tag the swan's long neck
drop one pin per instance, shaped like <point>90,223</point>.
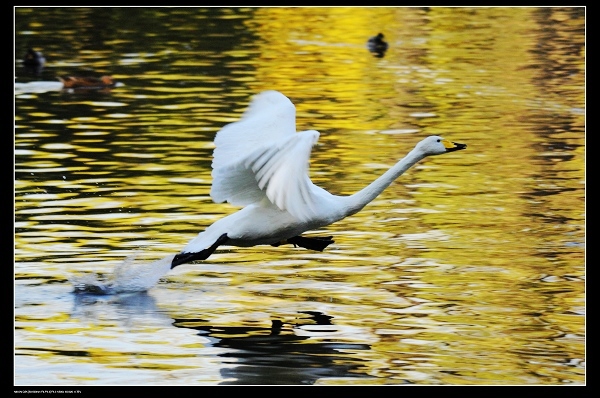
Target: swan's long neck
<point>356,202</point>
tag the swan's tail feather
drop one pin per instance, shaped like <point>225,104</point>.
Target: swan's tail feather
<point>318,243</point>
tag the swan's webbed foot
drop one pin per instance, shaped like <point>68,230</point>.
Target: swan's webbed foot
<point>183,258</point>
<point>318,243</point>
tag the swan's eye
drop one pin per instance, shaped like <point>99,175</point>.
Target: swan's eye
<point>438,140</point>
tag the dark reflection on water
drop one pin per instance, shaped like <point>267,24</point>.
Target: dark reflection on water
<point>137,38</point>
<point>277,355</point>
<point>262,356</point>
<point>558,53</point>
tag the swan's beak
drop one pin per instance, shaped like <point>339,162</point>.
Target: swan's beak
<point>453,146</point>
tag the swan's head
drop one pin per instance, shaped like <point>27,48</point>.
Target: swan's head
<point>435,145</point>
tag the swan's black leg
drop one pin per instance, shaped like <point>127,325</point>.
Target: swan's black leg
<point>318,243</point>
<point>183,258</point>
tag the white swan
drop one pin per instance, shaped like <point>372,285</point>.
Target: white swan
<point>261,162</point>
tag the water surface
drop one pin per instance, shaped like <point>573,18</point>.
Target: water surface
<point>470,269</point>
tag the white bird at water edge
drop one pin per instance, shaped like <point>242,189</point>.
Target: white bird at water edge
<point>261,163</point>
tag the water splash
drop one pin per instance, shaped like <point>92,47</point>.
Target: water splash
<point>129,276</point>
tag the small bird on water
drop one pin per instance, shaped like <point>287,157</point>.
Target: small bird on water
<point>33,58</point>
<point>377,45</point>
<point>86,82</point>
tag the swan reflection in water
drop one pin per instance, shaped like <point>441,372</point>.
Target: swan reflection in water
<point>294,352</point>
<point>284,353</point>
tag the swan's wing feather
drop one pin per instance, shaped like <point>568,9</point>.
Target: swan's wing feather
<point>283,174</point>
<point>262,157</point>
<point>235,184</point>
<point>269,117</point>
<point>278,172</point>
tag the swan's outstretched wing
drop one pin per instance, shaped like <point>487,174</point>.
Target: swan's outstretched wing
<point>262,156</point>
<point>270,116</point>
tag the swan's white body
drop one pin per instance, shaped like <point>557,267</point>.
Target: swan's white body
<point>261,163</point>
